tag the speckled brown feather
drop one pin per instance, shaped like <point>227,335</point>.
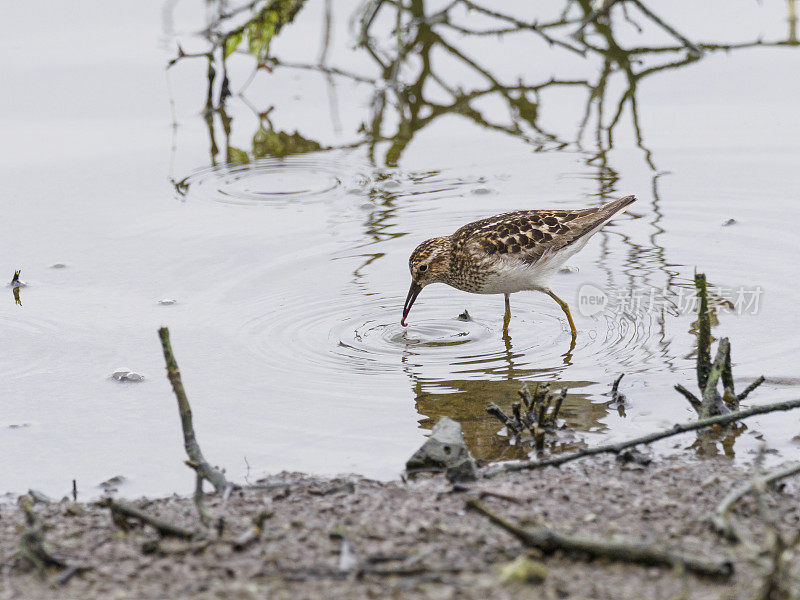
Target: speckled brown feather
<point>530,234</point>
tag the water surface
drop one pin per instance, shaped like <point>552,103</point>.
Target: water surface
<point>289,270</point>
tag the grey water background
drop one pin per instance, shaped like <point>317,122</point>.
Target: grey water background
<point>289,273</point>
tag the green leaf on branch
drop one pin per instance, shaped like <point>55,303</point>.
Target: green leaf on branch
<point>267,23</point>
<point>232,42</point>
<point>237,156</point>
<point>527,110</point>
<point>268,142</point>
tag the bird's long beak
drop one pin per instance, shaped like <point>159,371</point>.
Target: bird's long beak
<point>413,292</point>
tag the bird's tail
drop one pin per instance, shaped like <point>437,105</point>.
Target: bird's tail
<point>595,217</point>
<point>613,207</point>
<point>592,219</point>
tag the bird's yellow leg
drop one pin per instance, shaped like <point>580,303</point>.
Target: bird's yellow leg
<point>507,315</point>
<point>565,308</point>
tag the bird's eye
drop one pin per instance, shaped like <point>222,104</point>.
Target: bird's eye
<point>423,268</point>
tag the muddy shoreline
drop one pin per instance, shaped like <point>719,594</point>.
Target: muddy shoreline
<point>411,539</point>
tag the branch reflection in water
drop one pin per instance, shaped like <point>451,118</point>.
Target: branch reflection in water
<point>426,62</point>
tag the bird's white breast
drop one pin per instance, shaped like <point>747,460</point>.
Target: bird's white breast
<point>509,275</point>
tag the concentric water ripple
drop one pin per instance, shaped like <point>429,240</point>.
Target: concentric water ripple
<point>361,334</point>
<point>310,178</point>
<point>274,181</point>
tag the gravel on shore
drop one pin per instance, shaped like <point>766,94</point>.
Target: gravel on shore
<point>350,537</point>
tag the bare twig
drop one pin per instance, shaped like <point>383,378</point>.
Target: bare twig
<point>728,389</point>
<point>525,394</point>
<point>693,400</point>
<point>164,528</point>
<point>196,459</point>
<point>485,493</point>
<point>498,413</point>
<point>703,332</point>
<point>535,27</point>
<point>324,69</point>
<point>539,416</point>
<point>666,27</point>
<point>557,406</point>
<point>253,533</point>
<point>616,396</point>
<point>32,545</point>
<point>202,510</point>
<point>719,519</point>
<point>750,388</point>
<point>614,448</point>
<point>549,541</point>
<point>712,401</point>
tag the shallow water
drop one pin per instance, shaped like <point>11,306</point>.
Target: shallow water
<point>289,273</point>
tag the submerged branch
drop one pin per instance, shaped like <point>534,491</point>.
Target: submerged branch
<point>703,332</point>
<point>497,412</point>
<point>750,388</point>
<point>616,447</point>
<point>693,400</point>
<point>712,402</point>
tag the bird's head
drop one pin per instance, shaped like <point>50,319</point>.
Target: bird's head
<point>429,263</point>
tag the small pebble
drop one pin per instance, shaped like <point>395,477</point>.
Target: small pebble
<point>58,266</point>
<point>167,301</point>
<point>729,222</point>
<point>481,191</point>
<point>127,375</point>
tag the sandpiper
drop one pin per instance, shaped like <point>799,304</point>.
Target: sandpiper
<point>508,253</point>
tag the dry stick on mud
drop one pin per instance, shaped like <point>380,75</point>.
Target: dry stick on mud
<point>719,519</point>
<point>196,459</point>
<point>253,533</point>
<point>615,448</point>
<point>549,541</point>
<point>162,527</point>
<point>32,545</point>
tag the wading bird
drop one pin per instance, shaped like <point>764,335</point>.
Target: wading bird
<point>508,253</point>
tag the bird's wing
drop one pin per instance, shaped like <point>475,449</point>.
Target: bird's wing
<point>528,235</point>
